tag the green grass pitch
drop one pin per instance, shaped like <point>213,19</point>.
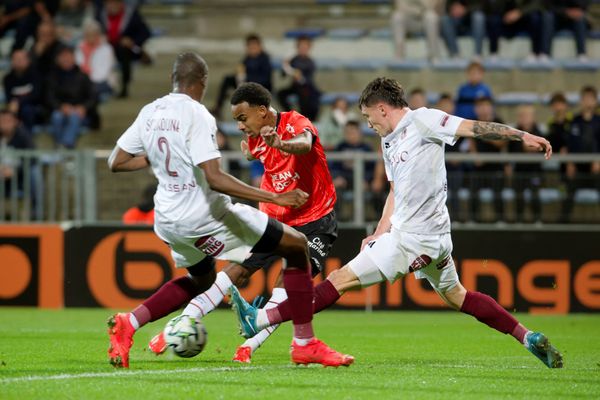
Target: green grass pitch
<point>412,355</point>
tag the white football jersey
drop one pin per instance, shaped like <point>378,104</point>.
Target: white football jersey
<point>178,133</point>
<point>414,161</point>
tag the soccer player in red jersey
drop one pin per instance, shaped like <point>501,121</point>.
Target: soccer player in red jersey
<point>288,146</point>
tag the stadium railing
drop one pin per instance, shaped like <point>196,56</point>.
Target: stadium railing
<point>50,186</point>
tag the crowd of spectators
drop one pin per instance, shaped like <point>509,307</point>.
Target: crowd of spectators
<point>538,19</point>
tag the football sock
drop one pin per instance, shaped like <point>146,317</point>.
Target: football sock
<point>255,342</point>
<point>325,295</point>
<point>209,300</point>
<point>300,291</point>
<point>488,311</point>
<point>133,321</point>
<point>167,299</point>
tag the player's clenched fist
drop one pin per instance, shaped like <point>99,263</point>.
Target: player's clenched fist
<point>270,136</point>
<point>294,198</point>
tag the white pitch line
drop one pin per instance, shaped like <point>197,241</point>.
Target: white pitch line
<point>124,374</point>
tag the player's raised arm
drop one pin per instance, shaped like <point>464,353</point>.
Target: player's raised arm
<point>496,131</point>
<point>221,181</point>
<point>299,144</point>
<point>121,161</point>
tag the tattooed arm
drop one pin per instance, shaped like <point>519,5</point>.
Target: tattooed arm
<point>495,131</point>
<point>299,144</point>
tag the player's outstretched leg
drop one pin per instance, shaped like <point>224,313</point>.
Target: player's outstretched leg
<point>243,353</point>
<point>120,333</point>
<point>485,309</point>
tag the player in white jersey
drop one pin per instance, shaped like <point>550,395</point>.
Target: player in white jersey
<point>413,234</point>
<point>176,136</point>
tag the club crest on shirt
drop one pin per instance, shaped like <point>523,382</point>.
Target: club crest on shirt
<point>290,129</point>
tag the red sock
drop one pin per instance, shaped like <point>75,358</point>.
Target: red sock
<point>300,291</point>
<point>488,311</point>
<point>171,296</point>
<point>325,295</point>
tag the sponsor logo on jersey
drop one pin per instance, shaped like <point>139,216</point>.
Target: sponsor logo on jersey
<point>282,180</point>
<point>420,262</point>
<point>399,157</point>
<point>209,245</point>
<point>444,120</point>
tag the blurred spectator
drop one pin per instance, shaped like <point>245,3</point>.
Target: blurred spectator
<point>525,176</point>
<point>343,171</point>
<point>17,16</point>
<point>22,88</point>
<point>583,137</point>
<point>567,14</point>
<point>472,90</point>
<point>331,125</point>
<point>71,17</point>
<point>96,59</point>
<point>509,17</point>
<point>487,175</point>
<point>127,32</point>
<point>445,103</point>
<point>143,212</point>
<point>15,136</point>
<point>45,48</point>
<point>417,16</point>
<point>70,97</point>
<point>559,124</point>
<point>302,69</point>
<point>255,67</point>
<point>462,17</point>
<point>417,98</point>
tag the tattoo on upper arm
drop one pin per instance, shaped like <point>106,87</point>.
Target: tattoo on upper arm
<point>496,131</point>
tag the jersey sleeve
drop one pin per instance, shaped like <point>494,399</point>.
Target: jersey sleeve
<point>202,139</point>
<point>437,126</point>
<point>302,124</point>
<point>131,140</point>
<point>386,163</point>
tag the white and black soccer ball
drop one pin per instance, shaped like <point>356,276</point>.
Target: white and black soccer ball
<point>185,336</point>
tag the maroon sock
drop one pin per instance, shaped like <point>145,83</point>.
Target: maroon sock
<point>325,295</point>
<point>300,291</point>
<point>488,311</point>
<point>171,296</point>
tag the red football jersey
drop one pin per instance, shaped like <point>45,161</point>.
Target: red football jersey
<point>284,172</point>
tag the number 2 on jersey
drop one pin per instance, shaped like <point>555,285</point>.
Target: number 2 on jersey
<point>163,142</point>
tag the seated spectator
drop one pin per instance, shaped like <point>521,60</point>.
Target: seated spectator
<point>525,176</point>
<point>462,17</point>
<point>487,174</point>
<point>96,59</point>
<point>70,19</point>
<point>445,103</point>
<point>127,32</point>
<point>23,90</point>
<point>472,90</point>
<point>583,137</point>
<point>331,125</point>
<point>70,98</point>
<point>255,67</point>
<point>301,68</point>
<point>234,167</point>
<point>508,18</point>
<point>143,212</point>
<point>417,16</point>
<point>569,14</point>
<point>13,135</point>
<point>559,124</point>
<point>417,98</point>
<point>45,48</point>
<point>343,171</point>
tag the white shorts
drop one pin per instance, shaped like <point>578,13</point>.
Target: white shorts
<point>395,254</point>
<point>240,229</point>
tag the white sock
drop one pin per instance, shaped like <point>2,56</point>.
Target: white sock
<point>525,341</point>
<point>255,342</point>
<point>209,300</point>
<point>302,342</point>
<point>134,322</point>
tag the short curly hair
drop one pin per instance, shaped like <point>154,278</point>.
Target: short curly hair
<point>384,90</point>
<point>252,93</point>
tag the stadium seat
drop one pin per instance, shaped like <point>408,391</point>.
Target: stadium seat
<point>517,98</point>
<point>509,197</point>
<point>464,204</point>
<point>375,1</point>
<point>534,65</point>
<point>346,33</point>
<point>381,33</point>
<point>499,64</point>
<point>578,65</point>
<point>486,212</point>
<point>452,64</point>
<point>329,2</point>
<point>328,64</point>
<point>304,32</point>
<point>550,202</point>
<point>406,65</point>
<point>364,65</point>
<point>586,207</point>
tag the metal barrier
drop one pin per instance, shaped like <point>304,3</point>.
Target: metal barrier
<point>77,186</point>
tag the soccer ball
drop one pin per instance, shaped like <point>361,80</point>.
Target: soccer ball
<point>185,336</point>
